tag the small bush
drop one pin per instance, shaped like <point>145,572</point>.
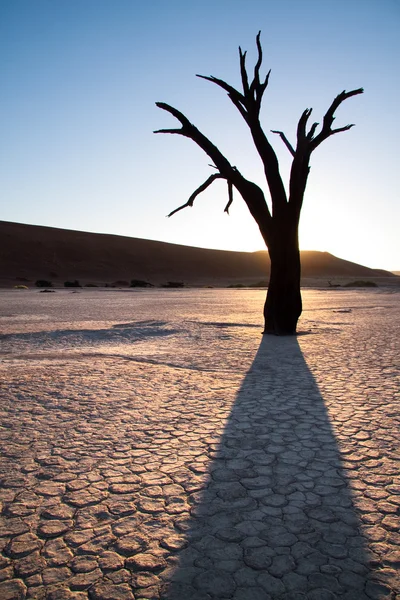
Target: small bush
<point>47,291</point>
<point>140,283</point>
<point>72,284</point>
<point>91,285</point>
<point>43,283</point>
<point>360,283</point>
<point>236,285</point>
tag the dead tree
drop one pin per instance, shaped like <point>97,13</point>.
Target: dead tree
<point>278,225</point>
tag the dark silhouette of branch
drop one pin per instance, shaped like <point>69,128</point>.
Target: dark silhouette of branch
<point>198,191</point>
<point>243,72</point>
<point>251,193</point>
<point>256,88</point>
<point>306,144</point>
<point>285,141</point>
<point>310,134</point>
<point>230,197</point>
<point>236,97</point>
<point>186,125</point>
<point>190,131</point>
<point>301,129</point>
<point>329,117</point>
<point>248,104</point>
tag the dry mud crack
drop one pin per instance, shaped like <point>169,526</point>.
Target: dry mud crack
<point>212,464</point>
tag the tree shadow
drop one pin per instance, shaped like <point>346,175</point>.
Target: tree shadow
<point>120,333</point>
<point>276,518</point>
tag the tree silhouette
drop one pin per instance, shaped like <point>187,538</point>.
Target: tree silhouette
<point>278,226</point>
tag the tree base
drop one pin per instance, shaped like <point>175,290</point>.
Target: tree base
<point>278,333</point>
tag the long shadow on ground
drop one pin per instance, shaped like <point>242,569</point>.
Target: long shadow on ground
<point>276,519</point>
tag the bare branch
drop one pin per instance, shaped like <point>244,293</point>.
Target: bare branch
<point>330,116</point>
<point>252,95</point>
<point>310,134</point>
<point>261,90</point>
<point>190,131</point>
<point>236,97</point>
<point>285,141</point>
<point>186,124</point>
<point>250,192</point>
<point>301,127</point>
<point>198,191</point>
<point>225,86</point>
<point>257,88</point>
<point>256,81</point>
<point>240,108</point>
<point>179,131</point>
<point>230,197</point>
<point>248,104</point>
<point>339,129</point>
<point>243,72</point>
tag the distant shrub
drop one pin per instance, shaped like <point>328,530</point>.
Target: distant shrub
<point>72,284</point>
<point>173,284</point>
<point>121,283</point>
<point>360,283</point>
<point>140,283</point>
<point>21,287</point>
<point>47,291</point>
<point>91,285</point>
<point>43,283</point>
<point>236,285</point>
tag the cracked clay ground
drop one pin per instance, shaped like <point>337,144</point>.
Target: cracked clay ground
<point>154,445</point>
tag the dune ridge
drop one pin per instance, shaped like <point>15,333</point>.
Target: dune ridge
<point>31,252</point>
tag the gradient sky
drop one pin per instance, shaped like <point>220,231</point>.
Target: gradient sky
<point>79,79</point>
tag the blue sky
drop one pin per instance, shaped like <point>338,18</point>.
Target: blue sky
<point>79,82</point>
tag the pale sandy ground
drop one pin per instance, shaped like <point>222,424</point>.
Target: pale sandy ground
<point>155,445</point>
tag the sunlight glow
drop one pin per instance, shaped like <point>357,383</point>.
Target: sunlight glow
<point>80,82</point>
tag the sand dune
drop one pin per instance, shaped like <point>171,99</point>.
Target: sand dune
<point>30,252</point>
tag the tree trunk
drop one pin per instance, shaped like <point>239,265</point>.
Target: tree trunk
<point>283,304</point>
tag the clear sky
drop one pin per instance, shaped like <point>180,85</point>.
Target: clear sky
<point>79,79</point>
